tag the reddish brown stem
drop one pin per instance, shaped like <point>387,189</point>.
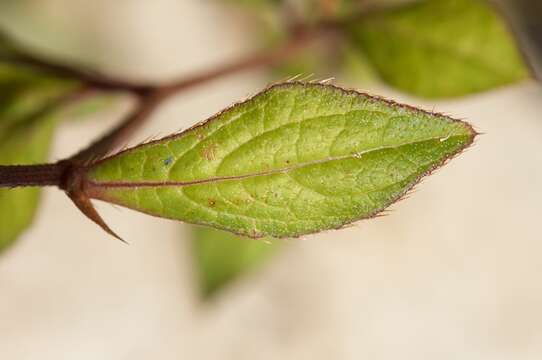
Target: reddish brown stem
<point>42,174</point>
<point>88,77</point>
<point>300,39</point>
<point>300,36</point>
<point>102,146</point>
<point>30,175</point>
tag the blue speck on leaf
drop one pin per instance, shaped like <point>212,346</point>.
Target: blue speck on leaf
<point>168,160</point>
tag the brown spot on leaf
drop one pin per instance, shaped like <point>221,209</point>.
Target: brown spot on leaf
<point>241,201</point>
<point>211,202</point>
<point>208,151</point>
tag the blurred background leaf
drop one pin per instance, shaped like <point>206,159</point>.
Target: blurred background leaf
<point>429,48</point>
<point>221,257</point>
<point>441,48</point>
<point>28,115</point>
<point>6,47</point>
<point>24,143</point>
<point>26,127</point>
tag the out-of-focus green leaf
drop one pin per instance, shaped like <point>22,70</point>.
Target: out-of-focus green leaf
<point>221,257</point>
<point>23,143</point>
<point>317,61</point>
<point>88,106</point>
<point>28,114</point>
<point>6,46</point>
<point>26,126</point>
<point>327,60</point>
<point>356,68</point>
<point>295,159</point>
<point>441,48</point>
<point>23,92</point>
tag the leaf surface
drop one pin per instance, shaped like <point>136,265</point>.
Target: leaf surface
<point>295,159</point>
<point>441,48</point>
<point>221,257</point>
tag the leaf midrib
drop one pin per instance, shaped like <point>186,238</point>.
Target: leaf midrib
<point>131,184</point>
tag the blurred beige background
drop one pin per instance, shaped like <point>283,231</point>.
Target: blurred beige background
<point>452,273</point>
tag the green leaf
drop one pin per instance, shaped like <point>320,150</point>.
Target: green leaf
<point>441,48</point>
<point>26,126</point>
<point>221,257</point>
<point>356,68</point>
<point>22,144</point>
<point>295,159</point>
<point>89,106</point>
<point>6,46</point>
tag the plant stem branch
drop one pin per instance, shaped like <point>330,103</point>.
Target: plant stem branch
<point>101,147</point>
<point>30,175</point>
<point>88,77</point>
<point>299,37</point>
<point>298,41</point>
<point>149,101</point>
<point>41,174</point>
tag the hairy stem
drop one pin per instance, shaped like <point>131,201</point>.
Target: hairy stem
<point>31,175</point>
